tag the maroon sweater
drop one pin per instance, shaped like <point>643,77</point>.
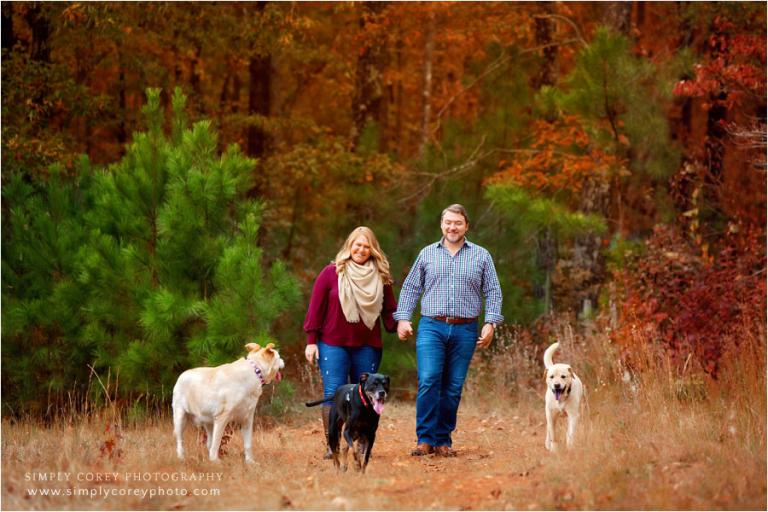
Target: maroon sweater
<point>326,322</point>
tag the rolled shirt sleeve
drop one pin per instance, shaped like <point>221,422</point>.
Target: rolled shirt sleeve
<point>411,290</point>
<point>492,293</point>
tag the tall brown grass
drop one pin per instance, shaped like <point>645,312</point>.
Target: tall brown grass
<point>653,436</point>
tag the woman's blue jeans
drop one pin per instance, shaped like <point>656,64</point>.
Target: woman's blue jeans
<point>343,365</point>
<point>443,354</point>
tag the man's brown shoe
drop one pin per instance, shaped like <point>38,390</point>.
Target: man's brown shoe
<point>445,451</point>
<point>422,449</point>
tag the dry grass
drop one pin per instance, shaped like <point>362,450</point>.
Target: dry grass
<point>654,440</point>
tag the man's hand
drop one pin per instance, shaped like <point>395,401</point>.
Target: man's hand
<point>311,353</point>
<point>486,336</point>
<point>404,329</point>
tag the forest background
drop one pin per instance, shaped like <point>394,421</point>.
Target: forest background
<point>174,176</point>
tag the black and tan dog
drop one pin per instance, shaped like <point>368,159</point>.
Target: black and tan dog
<point>355,412</point>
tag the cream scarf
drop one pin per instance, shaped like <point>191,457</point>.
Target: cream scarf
<point>361,292</point>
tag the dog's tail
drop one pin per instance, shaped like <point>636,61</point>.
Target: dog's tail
<point>548,355</point>
<point>318,402</point>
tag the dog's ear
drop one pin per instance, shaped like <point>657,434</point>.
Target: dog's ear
<point>268,352</point>
<point>363,377</point>
<point>252,347</point>
<point>386,383</point>
<point>570,372</point>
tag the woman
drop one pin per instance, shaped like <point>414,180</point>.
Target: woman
<point>342,323</point>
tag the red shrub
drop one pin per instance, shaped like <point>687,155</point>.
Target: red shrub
<point>686,304</point>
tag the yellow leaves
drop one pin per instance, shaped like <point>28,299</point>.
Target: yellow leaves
<point>72,13</point>
<point>691,213</point>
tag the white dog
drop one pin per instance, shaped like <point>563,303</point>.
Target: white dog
<point>213,397</point>
<point>564,395</point>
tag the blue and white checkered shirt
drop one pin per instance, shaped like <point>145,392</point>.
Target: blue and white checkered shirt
<point>453,286</point>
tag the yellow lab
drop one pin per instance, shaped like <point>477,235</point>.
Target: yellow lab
<point>213,397</point>
<point>564,395</point>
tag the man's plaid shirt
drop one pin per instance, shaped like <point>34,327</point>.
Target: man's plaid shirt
<point>453,286</point>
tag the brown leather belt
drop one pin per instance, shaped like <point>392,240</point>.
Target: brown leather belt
<point>454,319</point>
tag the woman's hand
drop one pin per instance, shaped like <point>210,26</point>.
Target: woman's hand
<point>311,353</point>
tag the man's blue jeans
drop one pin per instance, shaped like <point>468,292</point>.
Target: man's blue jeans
<point>443,354</point>
<point>343,365</point>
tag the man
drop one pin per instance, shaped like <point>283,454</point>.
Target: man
<point>454,275</point>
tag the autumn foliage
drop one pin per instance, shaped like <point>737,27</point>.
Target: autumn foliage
<point>612,156</point>
<point>687,304</point>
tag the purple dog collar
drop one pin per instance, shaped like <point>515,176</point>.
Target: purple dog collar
<point>258,371</point>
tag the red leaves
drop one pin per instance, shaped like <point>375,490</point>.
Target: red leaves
<point>109,447</point>
<point>687,302</point>
<point>736,66</point>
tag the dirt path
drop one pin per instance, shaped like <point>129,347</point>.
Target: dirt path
<point>497,467</point>
<point>671,458</point>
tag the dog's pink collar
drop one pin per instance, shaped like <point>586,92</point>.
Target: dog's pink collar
<point>258,371</point>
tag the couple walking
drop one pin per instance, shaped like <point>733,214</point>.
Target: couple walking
<point>454,279</point>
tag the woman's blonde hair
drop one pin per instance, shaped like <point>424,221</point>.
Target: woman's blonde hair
<point>377,255</point>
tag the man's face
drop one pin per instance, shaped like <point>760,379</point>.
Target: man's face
<point>454,227</point>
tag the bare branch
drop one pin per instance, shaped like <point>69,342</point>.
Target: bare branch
<point>560,17</point>
<point>473,159</point>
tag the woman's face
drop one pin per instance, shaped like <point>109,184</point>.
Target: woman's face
<point>361,250</point>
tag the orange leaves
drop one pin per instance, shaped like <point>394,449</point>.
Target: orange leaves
<point>560,159</point>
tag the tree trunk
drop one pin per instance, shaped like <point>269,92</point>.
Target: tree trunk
<point>259,89</point>
<point>544,29</point>
<point>399,100</point>
<point>40,26</point>
<point>426,92</point>
<point>194,79</point>
<point>714,141</point>
<point>122,131</point>
<point>259,69</point>
<point>618,16</point>
<point>546,243</point>
<point>369,101</point>
<point>8,36</point>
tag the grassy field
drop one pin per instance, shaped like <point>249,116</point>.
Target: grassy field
<point>652,440</point>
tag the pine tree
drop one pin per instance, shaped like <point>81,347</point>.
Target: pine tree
<point>44,354</point>
<point>141,270</point>
<point>183,233</point>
